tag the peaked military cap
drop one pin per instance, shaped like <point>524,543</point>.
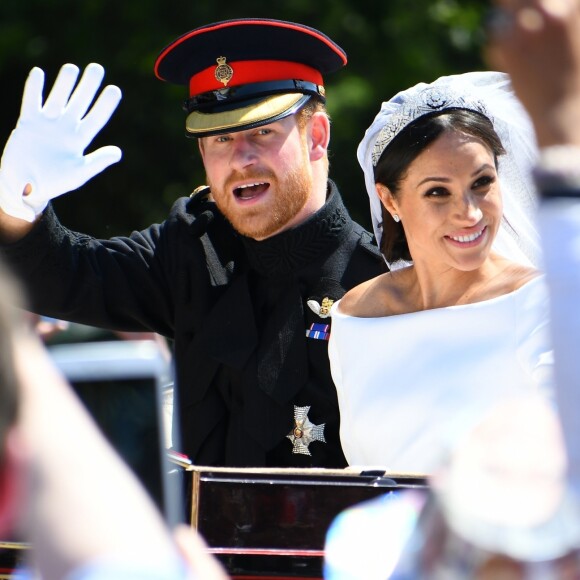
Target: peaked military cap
<point>248,72</point>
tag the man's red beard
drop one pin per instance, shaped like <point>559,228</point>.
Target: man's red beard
<point>286,199</point>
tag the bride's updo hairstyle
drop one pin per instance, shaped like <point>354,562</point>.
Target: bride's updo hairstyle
<point>408,144</point>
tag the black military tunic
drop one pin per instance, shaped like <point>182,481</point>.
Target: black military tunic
<point>236,311</point>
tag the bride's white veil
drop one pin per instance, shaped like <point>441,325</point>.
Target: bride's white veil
<point>489,93</point>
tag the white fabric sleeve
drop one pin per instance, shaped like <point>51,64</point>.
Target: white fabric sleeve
<point>534,346</point>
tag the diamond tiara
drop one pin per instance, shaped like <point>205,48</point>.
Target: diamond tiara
<point>426,101</point>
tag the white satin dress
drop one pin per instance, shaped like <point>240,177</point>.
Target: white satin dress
<point>410,385</point>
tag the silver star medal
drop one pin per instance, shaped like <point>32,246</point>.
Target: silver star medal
<point>304,432</point>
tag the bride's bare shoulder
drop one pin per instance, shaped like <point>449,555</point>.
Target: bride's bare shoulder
<point>518,276</point>
<point>373,298</point>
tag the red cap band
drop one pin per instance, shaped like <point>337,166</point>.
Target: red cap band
<point>253,71</point>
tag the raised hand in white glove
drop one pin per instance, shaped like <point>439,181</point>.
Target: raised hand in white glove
<point>44,156</point>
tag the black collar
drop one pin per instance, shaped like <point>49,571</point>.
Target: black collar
<point>296,248</point>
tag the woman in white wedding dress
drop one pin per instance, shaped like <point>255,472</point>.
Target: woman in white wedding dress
<point>459,324</point>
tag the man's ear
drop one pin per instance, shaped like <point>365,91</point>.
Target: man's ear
<point>13,483</point>
<point>319,133</point>
<point>387,198</point>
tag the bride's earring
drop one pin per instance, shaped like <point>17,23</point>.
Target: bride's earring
<point>396,217</point>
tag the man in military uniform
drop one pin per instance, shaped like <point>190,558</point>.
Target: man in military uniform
<point>242,274</point>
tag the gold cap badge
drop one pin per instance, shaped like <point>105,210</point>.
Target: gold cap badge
<point>223,71</point>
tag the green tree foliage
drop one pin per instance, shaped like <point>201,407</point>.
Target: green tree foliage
<point>391,45</point>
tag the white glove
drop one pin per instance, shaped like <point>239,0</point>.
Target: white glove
<point>46,149</point>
